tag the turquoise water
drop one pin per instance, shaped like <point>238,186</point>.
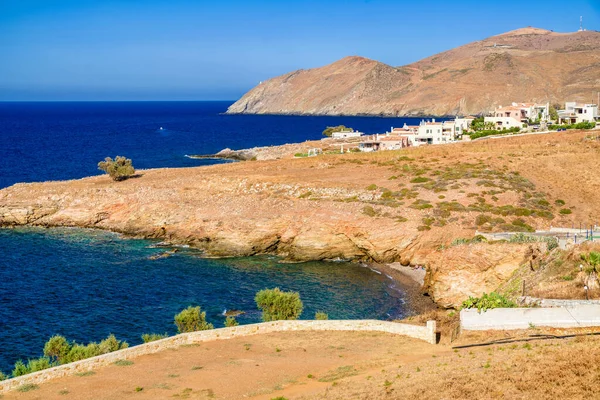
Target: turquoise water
<point>86,284</point>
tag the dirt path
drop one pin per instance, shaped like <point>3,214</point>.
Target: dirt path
<point>259,367</point>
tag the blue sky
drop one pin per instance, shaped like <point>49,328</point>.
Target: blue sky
<point>217,50</point>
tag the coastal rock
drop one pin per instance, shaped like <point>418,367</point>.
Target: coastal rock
<point>458,272</point>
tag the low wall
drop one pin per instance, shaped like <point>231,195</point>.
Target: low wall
<point>522,318</point>
<point>426,333</point>
<point>534,301</point>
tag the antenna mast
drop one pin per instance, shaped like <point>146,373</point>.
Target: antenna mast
<point>581,24</point>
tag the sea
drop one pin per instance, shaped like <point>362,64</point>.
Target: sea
<point>87,284</point>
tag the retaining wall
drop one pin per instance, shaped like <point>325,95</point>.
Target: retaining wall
<point>576,316</point>
<point>426,333</point>
<point>534,301</point>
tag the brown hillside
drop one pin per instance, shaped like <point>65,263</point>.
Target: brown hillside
<point>523,65</point>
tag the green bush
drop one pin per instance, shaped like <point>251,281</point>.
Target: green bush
<point>230,321</point>
<point>593,260</point>
<point>551,241</point>
<point>3,376</point>
<point>560,202</point>
<point>20,369</point>
<point>581,125</point>
<point>39,364</point>
<point>565,211</point>
<point>151,337</point>
<point>340,128</point>
<point>278,305</point>
<point>118,169</point>
<point>487,302</point>
<point>57,348</point>
<point>493,132</point>
<point>321,316</point>
<point>419,179</point>
<point>191,320</point>
<point>111,344</point>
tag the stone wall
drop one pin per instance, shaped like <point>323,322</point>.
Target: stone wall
<point>522,318</point>
<point>426,333</point>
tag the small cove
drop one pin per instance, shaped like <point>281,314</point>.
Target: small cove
<point>86,284</point>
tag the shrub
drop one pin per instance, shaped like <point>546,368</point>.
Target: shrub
<point>369,211</point>
<point>118,169</point>
<point>3,376</point>
<point>39,364</point>
<point>593,260</point>
<point>278,305</point>
<point>419,179</point>
<point>372,187</point>
<point>488,301</point>
<point>192,319</point>
<point>230,321</point>
<point>319,315</point>
<point>57,348</point>
<point>565,211</point>
<point>581,125</point>
<point>20,369</point>
<point>560,202</point>
<point>151,337</point>
<point>111,344</point>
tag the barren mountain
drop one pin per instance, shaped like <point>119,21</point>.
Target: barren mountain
<point>525,65</point>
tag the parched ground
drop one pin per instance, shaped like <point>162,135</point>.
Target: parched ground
<point>347,365</point>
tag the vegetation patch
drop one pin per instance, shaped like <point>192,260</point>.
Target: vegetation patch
<point>339,373</point>
<point>487,302</point>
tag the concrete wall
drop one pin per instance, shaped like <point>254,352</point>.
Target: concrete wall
<point>426,333</point>
<point>522,318</point>
<point>537,302</point>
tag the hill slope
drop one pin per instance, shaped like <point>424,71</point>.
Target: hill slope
<point>524,65</point>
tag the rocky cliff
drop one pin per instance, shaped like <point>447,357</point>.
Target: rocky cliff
<point>532,65</point>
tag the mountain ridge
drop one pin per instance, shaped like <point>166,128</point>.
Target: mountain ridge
<point>523,65</point>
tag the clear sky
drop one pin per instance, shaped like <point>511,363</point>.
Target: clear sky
<point>217,50</point>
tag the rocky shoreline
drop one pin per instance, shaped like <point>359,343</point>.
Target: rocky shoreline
<point>358,207</point>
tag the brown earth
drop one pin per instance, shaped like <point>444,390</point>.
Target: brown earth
<point>526,65</point>
<point>346,365</point>
<point>401,206</point>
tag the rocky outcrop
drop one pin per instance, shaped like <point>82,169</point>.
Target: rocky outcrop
<point>524,65</point>
<point>458,272</point>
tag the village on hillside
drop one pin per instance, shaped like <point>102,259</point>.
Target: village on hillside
<point>512,119</point>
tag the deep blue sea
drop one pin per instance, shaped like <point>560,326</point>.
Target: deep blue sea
<point>87,284</point>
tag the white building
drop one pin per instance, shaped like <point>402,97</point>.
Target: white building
<point>464,123</point>
<point>346,134</point>
<point>432,132</point>
<point>384,142</point>
<point>575,113</point>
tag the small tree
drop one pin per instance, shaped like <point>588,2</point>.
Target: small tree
<point>553,113</point>
<point>57,348</point>
<point>230,321</point>
<point>192,319</point>
<point>278,305</point>
<point>118,169</point>
<point>340,128</point>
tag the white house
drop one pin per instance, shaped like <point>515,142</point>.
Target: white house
<point>384,142</point>
<point>464,123</point>
<point>432,132</point>
<point>575,113</point>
